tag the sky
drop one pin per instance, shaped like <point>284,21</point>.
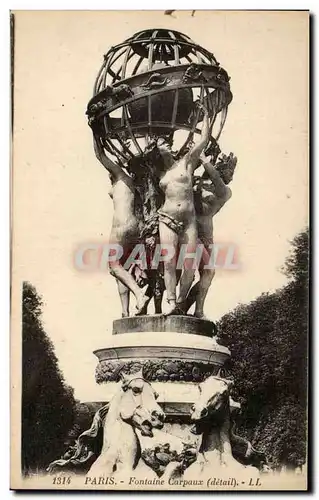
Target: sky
<point>60,191</point>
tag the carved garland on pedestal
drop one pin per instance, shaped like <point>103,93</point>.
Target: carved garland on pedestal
<point>157,370</point>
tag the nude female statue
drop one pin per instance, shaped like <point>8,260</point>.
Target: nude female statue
<point>126,226</point>
<point>177,220</point>
<point>210,195</point>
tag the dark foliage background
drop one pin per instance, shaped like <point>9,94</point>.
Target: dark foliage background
<point>48,405</point>
<point>268,339</point>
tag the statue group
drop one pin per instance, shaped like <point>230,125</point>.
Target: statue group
<point>159,106</point>
<point>157,102</point>
<point>181,220</point>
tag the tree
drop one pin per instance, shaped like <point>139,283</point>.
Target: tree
<point>47,402</point>
<point>268,339</point>
<point>82,421</point>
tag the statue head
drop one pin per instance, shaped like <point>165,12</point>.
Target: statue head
<point>138,404</point>
<point>159,149</point>
<point>203,182</point>
<point>164,146</point>
<point>212,403</point>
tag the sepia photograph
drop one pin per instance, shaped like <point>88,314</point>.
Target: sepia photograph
<point>160,250</point>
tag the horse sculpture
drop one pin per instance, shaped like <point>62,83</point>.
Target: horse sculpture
<point>111,444</point>
<point>133,407</point>
<point>211,416</point>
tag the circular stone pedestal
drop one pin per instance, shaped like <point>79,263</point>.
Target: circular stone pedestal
<point>175,353</point>
<point>161,323</point>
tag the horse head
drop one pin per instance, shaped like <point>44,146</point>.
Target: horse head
<point>212,404</point>
<point>138,404</point>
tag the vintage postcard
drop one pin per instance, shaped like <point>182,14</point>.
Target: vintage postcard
<point>159,329</point>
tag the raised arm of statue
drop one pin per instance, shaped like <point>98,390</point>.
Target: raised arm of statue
<point>113,168</point>
<point>221,190</point>
<point>195,152</point>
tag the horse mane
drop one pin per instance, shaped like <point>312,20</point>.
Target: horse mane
<point>92,434</point>
<point>113,411</point>
<point>88,446</point>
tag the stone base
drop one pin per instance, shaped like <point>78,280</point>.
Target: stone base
<point>161,323</point>
<point>165,356</point>
<point>175,353</point>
